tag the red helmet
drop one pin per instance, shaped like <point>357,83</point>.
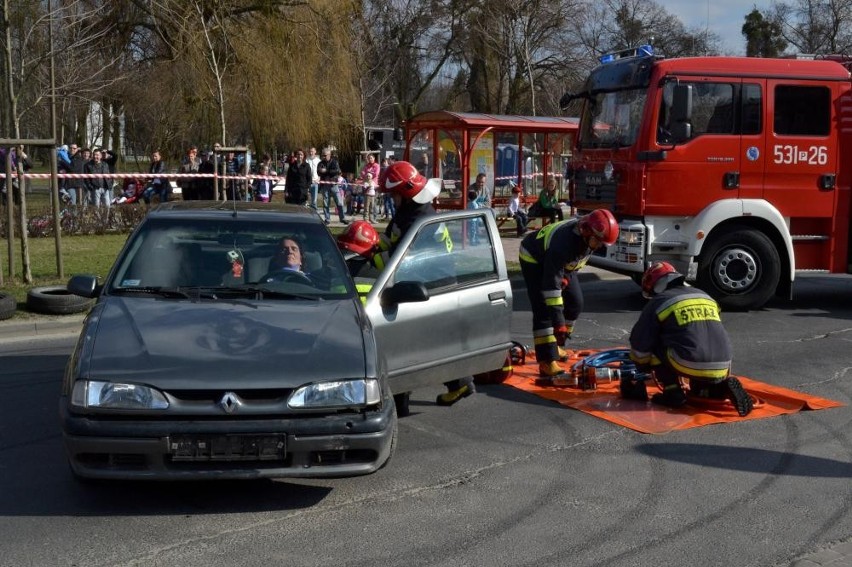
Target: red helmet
<point>360,237</point>
<point>403,178</point>
<point>657,278</point>
<point>601,224</point>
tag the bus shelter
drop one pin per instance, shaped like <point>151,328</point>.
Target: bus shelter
<point>458,146</point>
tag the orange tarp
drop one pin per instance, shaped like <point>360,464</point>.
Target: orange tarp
<point>645,417</point>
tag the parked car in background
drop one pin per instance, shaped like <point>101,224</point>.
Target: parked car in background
<point>202,358</point>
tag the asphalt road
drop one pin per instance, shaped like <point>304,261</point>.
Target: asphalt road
<point>501,478</point>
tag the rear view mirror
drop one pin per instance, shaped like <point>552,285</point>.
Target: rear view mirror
<point>681,122</point>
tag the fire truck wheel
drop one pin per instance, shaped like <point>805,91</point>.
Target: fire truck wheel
<point>740,269</point>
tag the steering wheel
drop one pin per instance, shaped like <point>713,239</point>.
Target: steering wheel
<point>294,276</point>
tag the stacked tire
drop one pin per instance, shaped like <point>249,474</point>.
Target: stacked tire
<point>8,305</point>
<point>56,300</point>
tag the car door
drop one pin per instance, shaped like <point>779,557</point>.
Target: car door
<point>458,323</point>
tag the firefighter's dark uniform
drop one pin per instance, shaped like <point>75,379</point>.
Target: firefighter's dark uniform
<point>680,333</point>
<point>548,256</point>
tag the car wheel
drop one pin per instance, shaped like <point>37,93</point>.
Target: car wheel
<point>56,300</point>
<point>394,441</point>
<point>8,306</point>
<point>739,269</point>
<point>402,401</point>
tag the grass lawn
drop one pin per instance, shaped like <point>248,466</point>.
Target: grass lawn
<point>80,255</point>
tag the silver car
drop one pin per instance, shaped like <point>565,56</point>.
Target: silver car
<point>202,358</point>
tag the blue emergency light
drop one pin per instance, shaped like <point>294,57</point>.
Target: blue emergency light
<point>641,51</point>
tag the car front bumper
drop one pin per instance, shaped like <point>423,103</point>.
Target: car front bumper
<point>310,446</point>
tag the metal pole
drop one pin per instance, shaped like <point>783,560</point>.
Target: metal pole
<point>10,219</point>
<point>54,180</point>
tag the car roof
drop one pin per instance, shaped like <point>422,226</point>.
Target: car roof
<point>242,209</point>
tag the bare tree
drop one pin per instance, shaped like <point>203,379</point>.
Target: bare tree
<point>814,26</point>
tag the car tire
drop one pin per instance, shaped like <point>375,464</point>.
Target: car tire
<point>403,405</point>
<point>56,300</point>
<point>8,306</point>
<point>394,441</point>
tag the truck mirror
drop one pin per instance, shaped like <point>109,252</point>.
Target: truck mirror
<point>681,118</point>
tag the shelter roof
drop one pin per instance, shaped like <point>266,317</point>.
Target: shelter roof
<point>446,119</point>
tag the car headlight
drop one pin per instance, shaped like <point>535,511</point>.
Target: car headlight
<point>115,395</point>
<point>340,393</point>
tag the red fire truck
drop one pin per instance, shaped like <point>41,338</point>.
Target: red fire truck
<point>731,168</point>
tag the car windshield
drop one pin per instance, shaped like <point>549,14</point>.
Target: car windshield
<point>235,259</point>
<point>612,119</point>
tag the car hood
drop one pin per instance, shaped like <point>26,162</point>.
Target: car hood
<point>183,344</point>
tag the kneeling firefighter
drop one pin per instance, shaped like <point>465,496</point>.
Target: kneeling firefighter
<point>680,334</point>
<point>549,259</point>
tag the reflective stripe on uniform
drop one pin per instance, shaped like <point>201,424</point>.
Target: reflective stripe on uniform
<point>716,370</point>
<point>443,235</point>
<point>552,298</point>
<point>543,336</point>
<point>525,256</point>
<point>547,231</point>
<point>689,308</point>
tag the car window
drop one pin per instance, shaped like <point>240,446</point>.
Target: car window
<point>450,254</point>
<point>220,255</point>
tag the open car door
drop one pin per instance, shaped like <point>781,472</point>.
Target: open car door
<point>442,308</point>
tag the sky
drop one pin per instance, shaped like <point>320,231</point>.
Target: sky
<point>726,18</point>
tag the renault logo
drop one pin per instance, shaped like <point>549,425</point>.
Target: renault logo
<point>230,402</point>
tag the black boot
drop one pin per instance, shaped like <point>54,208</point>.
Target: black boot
<point>739,397</point>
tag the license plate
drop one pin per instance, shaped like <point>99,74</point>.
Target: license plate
<point>228,447</point>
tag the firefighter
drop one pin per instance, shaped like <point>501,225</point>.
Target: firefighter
<point>412,194</point>
<point>680,334</point>
<point>549,259</point>
<point>360,245</point>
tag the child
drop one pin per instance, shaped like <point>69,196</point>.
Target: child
<point>369,197</point>
<point>515,209</point>
<point>262,186</point>
<point>473,203</point>
<point>356,194</point>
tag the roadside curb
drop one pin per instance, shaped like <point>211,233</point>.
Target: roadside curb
<point>40,327</point>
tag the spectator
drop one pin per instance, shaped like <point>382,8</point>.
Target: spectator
<point>189,165</point>
<point>157,186</point>
<point>206,188</point>
<point>232,166</point>
<point>313,161</point>
<point>329,171</point>
<point>79,159</point>
<point>473,203</point>
<point>99,187</point>
<point>371,166</point>
<point>356,195</point>
<point>369,197</point>
<point>25,165</point>
<point>262,186</point>
<point>423,166</point>
<point>548,203</point>
<point>483,192</point>
<point>515,209</point>
<point>298,180</point>
<point>63,166</point>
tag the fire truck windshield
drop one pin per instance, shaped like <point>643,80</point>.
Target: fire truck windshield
<point>612,119</point>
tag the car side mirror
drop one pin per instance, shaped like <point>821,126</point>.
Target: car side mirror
<point>84,285</point>
<point>404,292</point>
